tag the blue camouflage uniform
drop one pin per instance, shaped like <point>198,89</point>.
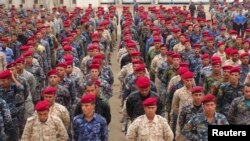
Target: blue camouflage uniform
<point>195,38</point>
<point>197,128</point>
<point>15,46</point>
<point>195,65</point>
<point>94,130</point>
<point>227,93</point>
<point>244,70</point>
<point>5,119</point>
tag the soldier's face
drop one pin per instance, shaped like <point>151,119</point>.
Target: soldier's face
<point>197,97</point>
<point>28,59</point>
<point>234,77</point>
<point>163,50</point>
<point>245,60</point>
<point>95,51</point>
<point>53,80</point>
<point>235,57</point>
<point>209,107</point>
<point>246,45</point>
<point>140,73</point>
<point>216,68</point>
<point>94,73</point>
<point>88,108</point>
<point>226,74</point>
<point>210,43</point>
<point>222,47</point>
<point>90,53</point>
<point>176,62</point>
<point>150,110</point>
<point>188,82</point>
<point>247,92</point>
<point>5,82</point>
<point>197,50</point>
<point>69,69</point>
<point>19,66</point>
<point>61,71</point>
<point>50,98</point>
<point>90,89</point>
<point>144,91</point>
<point>43,115</point>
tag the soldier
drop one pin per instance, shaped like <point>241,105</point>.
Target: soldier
<point>53,128</point>
<point>209,48</point>
<point>134,102</point>
<point>192,8</point>
<point>9,90</point>
<point>244,67</point>
<point>127,58</point>
<point>156,62</point>
<point>101,104</point>
<point>234,61</point>
<point>197,128</point>
<point>6,50</point>
<point>20,67</point>
<point>141,130</point>
<point>3,61</point>
<point>5,119</point>
<point>167,63</point>
<point>222,37</point>
<point>181,45</point>
<point>56,109</point>
<point>195,62</point>
<point>15,45</point>
<point>84,61</point>
<point>221,51</point>
<point>173,39</point>
<point>188,111</point>
<point>237,113</point>
<point>245,47</point>
<point>187,51</point>
<point>195,37</point>
<point>63,95</point>
<point>229,91</point>
<point>89,120</point>
<point>181,97</point>
<point>212,78</point>
<point>231,40</point>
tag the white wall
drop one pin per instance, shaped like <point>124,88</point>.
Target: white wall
<point>85,3</point>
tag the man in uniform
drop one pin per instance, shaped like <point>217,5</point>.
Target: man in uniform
<point>52,127</point>
<point>5,119</point>
<point>244,67</point>
<point>197,127</point>
<point>234,61</point>
<point>134,102</point>
<point>238,114</point>
<point>149,126</point>
<point>229,91</point>
<point>188,111</point>
<point>89,125</point>
<point>56,109</point>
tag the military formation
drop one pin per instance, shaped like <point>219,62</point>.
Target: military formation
<point>180,71</point>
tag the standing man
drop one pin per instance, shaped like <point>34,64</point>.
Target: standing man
<point>89,125</point>
<point>5,119</point>
<point>197,127</point>
<point>239,110</point>
<point>43,126</point>
<point>150,126</point>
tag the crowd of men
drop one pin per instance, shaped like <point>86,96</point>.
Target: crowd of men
<point>179,71</point>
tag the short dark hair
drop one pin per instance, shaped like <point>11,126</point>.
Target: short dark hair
<point>247,84</point>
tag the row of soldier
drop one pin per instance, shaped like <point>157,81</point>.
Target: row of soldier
<point>168,54</point>
<point>57,62</point>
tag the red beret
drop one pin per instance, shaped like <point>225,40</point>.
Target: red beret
<point>67,48</point>
<point>187,41</point>
<point>187,75</point>
<point>137,61</point>
<point>184,64</point>
<point>150,101</point>
<point>140,67</point>
<point>248,30</point>
<point>5,74</point>
<point>4,39</point>
<point>246,41</point>
<point>63,65</point>
<point>142,82</point>
<point>220,43</point>
<point>135,53</point>
<point>239,37</point>
<point>69,63</point>
<point>97,82</point>
<point>227,67</point>
<point>244,55</point>
<point>89,48</point>
<point>131,45</point>
<point>96,61</point>
<point>208,98</point>
<point>182,70</point>
<point>176,55</point>
<point>223,28</point>
<point>42,105</point>
<point>157,39</point>
<point>175,30</point>
<point>235,69</point>
<point>99,56</point>
<point>95,35</point>
<point>88,98</point>
<point>66,24</point>
<point>53,72</point>
<point>216,62</point>
<point>169,53</point>
<point>68,57</point>
<point>94,66</point>
<point>215,58</point>
<point>210,39</point>
<point>234,51</point>
<point>24,48</point>
<point>19,60</point>
<point>197,89</point>
<point>28,53</point>
<point>196,45</point>
<point>50,90</point>
<point>228,50</point>
<point>232,32</point>
<point>11,65</point>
